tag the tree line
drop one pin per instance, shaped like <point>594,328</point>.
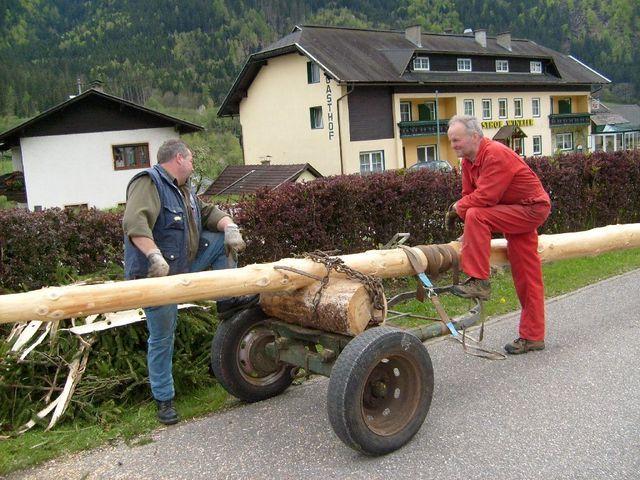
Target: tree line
<point>190,52</point>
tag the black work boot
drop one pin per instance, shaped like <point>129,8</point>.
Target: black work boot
<point>228,307</point>
<point>521,345</point>
<point>473,288</point>
<point>167,412</point>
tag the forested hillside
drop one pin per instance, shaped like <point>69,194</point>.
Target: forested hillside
<point>188,53</point>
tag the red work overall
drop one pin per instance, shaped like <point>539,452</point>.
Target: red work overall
<point>500,193</point>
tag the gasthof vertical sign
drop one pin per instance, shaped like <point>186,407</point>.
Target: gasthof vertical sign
<point>329,94</point>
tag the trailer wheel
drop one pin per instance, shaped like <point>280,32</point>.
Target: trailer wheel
<point>239,360</point>
<point>380,390</point>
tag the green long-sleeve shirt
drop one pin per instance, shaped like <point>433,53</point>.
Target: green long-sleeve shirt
<point>143,208</point>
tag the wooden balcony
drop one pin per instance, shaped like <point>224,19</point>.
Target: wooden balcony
<point>423,128</point>
<point>569,119</point>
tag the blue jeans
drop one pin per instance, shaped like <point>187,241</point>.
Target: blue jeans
<point>161,321</point>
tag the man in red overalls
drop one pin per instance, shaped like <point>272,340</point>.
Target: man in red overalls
<point>500,193</point>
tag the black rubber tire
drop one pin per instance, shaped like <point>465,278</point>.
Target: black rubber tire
<point>402,365</point>
<point>226,359</point>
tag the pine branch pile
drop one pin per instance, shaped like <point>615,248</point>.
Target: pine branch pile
<point>47,370</point>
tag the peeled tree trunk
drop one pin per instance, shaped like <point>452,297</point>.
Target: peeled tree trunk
<point>56,303</point>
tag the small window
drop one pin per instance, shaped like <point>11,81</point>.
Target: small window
<point>535,66</point>
<point>502,66</point>
<point>405,111</point>
<point>537,145</point>
<point>464,64</point>
<point>564,141</point>
<point>371,162</point>
<point>517,107</point>
<point>130,156</point>
<point>77,207</point>
<point>535,107</point>
<point>427,153</point>
<point>421,63</point>
<point>468,107</point>
<point>315,115</point>
<point>486,109</point>
<point>313,73</point>
<point>518,146</point>
<point>502,108</point>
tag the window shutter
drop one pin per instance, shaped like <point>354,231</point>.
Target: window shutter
<point>309,72</point>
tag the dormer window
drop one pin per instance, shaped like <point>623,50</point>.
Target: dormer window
<point>421,63</point>
<point>502,66</point>
<point>464,64</point>
<point>536,66</point>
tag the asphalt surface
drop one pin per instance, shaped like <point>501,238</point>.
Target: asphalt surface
<point>569,412</point>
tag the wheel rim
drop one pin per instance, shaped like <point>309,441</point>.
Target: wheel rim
<point>255,366</point>
<point>391,394</point>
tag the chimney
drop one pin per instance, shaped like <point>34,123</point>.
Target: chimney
<point>266,160</point>
<point>504,40</point>
<point>414,35</point>
<point>97,85</point>
<point>481,37</point>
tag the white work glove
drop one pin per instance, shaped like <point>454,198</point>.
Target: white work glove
<point>233,241</point>
<point>158,266</point>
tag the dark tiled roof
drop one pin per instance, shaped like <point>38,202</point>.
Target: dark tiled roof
<point>11,137</point>
<point>238,179</point>
<point>381,57</point>
<point>608,119</point>
<point>630,112</point>
<point>625,116</point>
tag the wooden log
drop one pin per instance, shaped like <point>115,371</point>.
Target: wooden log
<point>345,306</point>
<point>57,303</point>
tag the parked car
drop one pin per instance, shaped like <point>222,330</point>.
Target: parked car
<point>434,165</point>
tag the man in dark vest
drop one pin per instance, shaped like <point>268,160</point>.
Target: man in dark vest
<point>167,231</point>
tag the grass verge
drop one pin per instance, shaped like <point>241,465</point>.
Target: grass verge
<point>137,422</point>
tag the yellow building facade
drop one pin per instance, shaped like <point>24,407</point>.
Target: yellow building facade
<point>343,111</point>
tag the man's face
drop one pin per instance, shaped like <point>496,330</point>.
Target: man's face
<point>187,163</point>
<point>465,145</point>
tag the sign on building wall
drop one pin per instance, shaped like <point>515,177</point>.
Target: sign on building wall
<point>520,122</point>
<point>329,94</point>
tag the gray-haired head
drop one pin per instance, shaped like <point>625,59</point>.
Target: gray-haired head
<point>471,124</point>
<point>170,148</point>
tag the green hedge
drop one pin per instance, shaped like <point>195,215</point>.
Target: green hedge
<point>350,213</point>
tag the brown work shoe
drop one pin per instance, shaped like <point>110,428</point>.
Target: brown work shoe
<point>473,288</point>
<point>521,345</point>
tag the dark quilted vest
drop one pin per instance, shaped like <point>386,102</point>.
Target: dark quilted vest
<point>171,232</point>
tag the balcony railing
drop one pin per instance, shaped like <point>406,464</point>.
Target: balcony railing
<point>423,128</point>
<point>568,119</point>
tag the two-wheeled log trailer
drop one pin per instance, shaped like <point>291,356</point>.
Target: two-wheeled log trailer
<point>380,381</point>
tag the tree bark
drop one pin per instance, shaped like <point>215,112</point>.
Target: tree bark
<point>344,306</point>
<point>57,303</point>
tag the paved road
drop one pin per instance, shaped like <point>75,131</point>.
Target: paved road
<point>570,412</point>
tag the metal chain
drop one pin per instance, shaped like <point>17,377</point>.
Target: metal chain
<point>372,284</point>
